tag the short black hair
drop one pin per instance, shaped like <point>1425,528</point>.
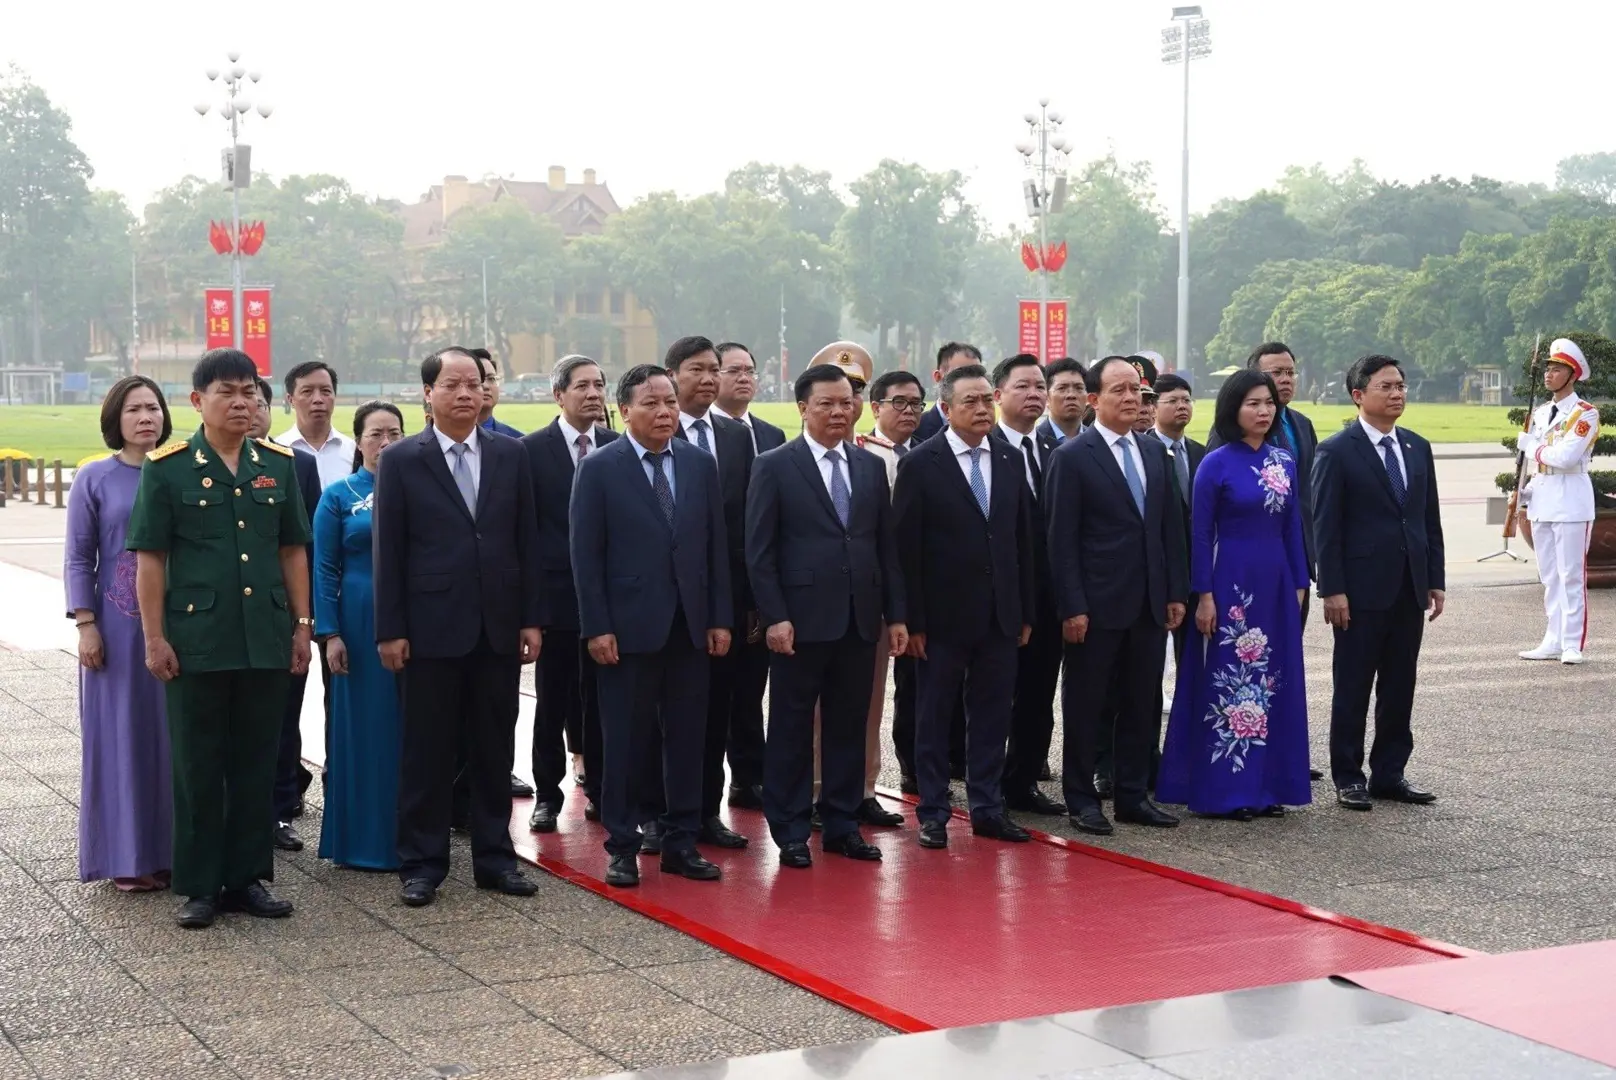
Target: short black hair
<point>1231,395</point>
<point>684,349</point>
<point>635,377</point>
<point>307,368</point>
<point>734,346</point>
<point>433,364</point>
<point>888,379</point>
<point>954,348</point>
<point>266,391</point>
<point>561,377</point>
<point>1365,367</point>
<point>112,410</point>
<point>1001,374</point>
<point>217,364</point>
<point>486,357</point>
<point>359,417</point>
<point>1092,377</point>
<point>1062,366</point>
<point>1171,381</point>
<point>819,373</point>
<point>958,375</point>
<point>1268,348</point>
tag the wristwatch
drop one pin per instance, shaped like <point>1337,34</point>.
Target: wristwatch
<point>308,622</point>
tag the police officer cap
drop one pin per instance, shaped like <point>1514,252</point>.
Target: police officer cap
<point>1145,363</point>
<point>853,359</point>
<point>1565,351</point>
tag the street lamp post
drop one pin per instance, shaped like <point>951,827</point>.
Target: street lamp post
<point>1189,38</point>
<point>485,301</point>
<point>237,164</point>
<point>1044,191</point>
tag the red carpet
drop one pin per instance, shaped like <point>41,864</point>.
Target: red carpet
<point>984,931</point>
<point>1560,997</point>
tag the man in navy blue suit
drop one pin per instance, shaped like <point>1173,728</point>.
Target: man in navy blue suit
<point>568,704</point>
<point>1379,532</point>
<point>823,559</point>
<point>650,560</point>
<point>953,354</point>
<point>459,607</point>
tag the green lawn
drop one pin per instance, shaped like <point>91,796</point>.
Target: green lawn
<point>71,432</point>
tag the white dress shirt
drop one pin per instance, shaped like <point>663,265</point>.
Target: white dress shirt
<point>571,434</point>
<point>1016,439</point>
<point>686,421</point>
<point>1375,435</point>
<point>1123,444</point>
<point>819,453</point>
<point>744,418</point>
<point>334,460</point>
<point>962,454</point>
<point>474,456</point>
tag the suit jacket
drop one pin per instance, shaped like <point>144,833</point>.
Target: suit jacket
<point>1365,538</point>
<point>631,570</point>
<point>1107,561</point>
<point>1042,583</point>
<point>963,574</point>
<point>443,580</point>
<point>308,485</point>
<point>806,568</point>
<point>768,436</point>
<point>550,461</point>
<point>931,422</point>
<point>1307,444</point>
<point>1046,427</point>
<point>734,446</point>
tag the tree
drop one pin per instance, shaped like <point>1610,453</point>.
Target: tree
<point>1591,175</point>
<point>1332,323</point>
<point>1318,198</point>
<point>1247,317</point>
<point>101,255</point>
<point>525,262</point>
<point>1453,313</point>
<point>811,202</point>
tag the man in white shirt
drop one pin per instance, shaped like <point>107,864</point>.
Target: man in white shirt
<point>311,388</point>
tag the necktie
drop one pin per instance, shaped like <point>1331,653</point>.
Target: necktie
<point>1130,473</point>
<point>1181,462</point>
<point>979,486</point>
<point>1284,434</point>
<point>462,477</point>
<point>659,483</point>
<point>752,431</point>
<point>700,427</point>
<point>1033,470</point>
<point>840,497</point>
<point>901,448</point>
<point>1554,410</point>
<point>1393,472</point>
<point>583,446</point>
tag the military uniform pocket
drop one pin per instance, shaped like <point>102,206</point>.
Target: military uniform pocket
<point>191,621</point>
<point>202,515</point>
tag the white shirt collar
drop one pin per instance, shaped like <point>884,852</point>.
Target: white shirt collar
<point>960,446</point>
<point>1015,438</point>
<point>572,433</point>
<point>1375,434</point>
<point>744,418</point>
<point>294,437</point>
<point>686,419</point>
<point>445,441</point>
<point>1111,437</point>
<point>819,451</point>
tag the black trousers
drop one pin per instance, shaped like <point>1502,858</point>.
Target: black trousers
<point>1379,649</point>
<point>837,675</point>
<point>653,718</point>
<point>292,778</point>
<point>986,670</point>
<point>1134,657</point>
<point>745,745</point>
<point>472,699</point>
<point>904,687</point>
<point>568,712</point>
<point>1032,708</point>
<point>721,680</point>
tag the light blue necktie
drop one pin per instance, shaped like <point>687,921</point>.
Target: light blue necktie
<point>840,496</point>
<point>701,435</point>
<point>1130,473</point>
<point>979,486</point>
<point>462,477</point>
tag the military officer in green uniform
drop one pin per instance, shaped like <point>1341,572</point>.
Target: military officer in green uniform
<point>219,527</point>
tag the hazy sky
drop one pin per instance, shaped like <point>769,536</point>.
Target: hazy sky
<point>393,96</point>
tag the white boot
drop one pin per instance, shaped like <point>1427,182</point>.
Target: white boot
<point>1571,656</point>
<point>1548,650</point>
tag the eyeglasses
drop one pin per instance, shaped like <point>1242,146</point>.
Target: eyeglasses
<point>738,372</point>
<point>454,386</point>
<point>903,404</point>
<point>1389,387</point>
<point>1281,373</point>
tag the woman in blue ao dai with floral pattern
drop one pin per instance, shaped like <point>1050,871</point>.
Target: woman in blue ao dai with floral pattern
<point>1237,736</point>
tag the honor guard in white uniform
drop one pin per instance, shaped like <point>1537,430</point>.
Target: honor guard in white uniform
<point>1559,497</point>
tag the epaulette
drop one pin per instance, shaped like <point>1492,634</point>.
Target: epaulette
<point>872,437</point>
<point>275,446</point>
<point>166,450</point>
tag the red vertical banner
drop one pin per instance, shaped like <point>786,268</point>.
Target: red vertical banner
<point>1028,338</point>
<point>1055,331</point>
<point>255,328</point>
<point>216,310</point>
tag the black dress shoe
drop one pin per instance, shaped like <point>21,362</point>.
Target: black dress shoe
<point>871,812</point>
<point>520,789</point>
<point>713,831</point>
<point>623,872</point>
<point>1238,814</point>
<point>1354,797</point>
<point>999,828</point>
<point>1148,814</point>
<point>796,855</point>
<point>1272,811</point>
<point>198,913</point>
<point>511,883</point>
<point>1035,802</point>
<point>255,900</point>
<point>418,892</point>
<point>1315,774</point>
<point>854,846</point>
<point>933,834</point>
<point>286,838</point>
<point>651,838</point>
<point>813,820</point>
<point>908,785</point>
<point>1103,787</point>
<point>688,864</point>
<point>591,811</point>
<point>543,818</point>
<point>1400,791</point>
<point>1092,820</point>
<point>746,797</point>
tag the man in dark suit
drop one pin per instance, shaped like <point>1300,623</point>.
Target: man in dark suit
<point>651,563</point>
<point>964,524</point>
<point>1175,408</point>
<point>821,552</point>
<point>1116,544</point>
<point>1381,575</point>
<point>568,704</point>
<point>459,604</point>
<point>291,778</point>
<point>1019,391</point>
<point>737,384</point>
<point>954,354</point>
<point>1068,400</point>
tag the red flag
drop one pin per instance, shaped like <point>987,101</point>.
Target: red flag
<point>219,237</point>
<point>252,238</point>
<point>1029,255</point>
<point>1055,257</point>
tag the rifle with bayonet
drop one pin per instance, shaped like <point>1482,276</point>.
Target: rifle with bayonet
<point>1534,378</point>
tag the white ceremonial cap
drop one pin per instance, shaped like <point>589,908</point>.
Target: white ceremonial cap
<point>1565,351</point>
